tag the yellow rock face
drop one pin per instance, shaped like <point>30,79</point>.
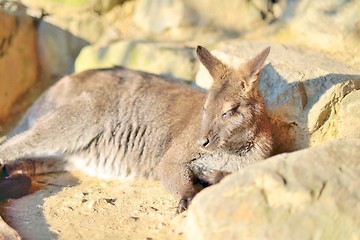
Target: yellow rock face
<point>18,58</point>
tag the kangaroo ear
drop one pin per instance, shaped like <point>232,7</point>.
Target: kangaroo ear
<point>215,67</point>
<point>255,65</point>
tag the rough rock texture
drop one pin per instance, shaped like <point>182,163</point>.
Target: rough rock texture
<point>302,89</point>
<point>18,58</point>
<point>333,26</point>
<point>309,194</point>
<point>160,58</point>
<point>349,115</point>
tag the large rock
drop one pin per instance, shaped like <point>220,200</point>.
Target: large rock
<point>65,29</point>
<point>58,49</point>
<point>332,26</point>
<point>303,90</point>
<point>159,15</point>
<point>62,7</point>
<point>18,58</point>
<point>81,18</point>
<point>309,194</point>
<point>349,115</point>
<point>86,26</point>
<point>160,58</point>
<point>234,15</point>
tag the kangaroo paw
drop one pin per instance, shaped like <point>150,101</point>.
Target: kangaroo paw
<point>15,186</point>
<point>183,204</point>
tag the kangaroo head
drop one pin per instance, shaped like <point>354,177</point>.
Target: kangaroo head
<point>234,107</point>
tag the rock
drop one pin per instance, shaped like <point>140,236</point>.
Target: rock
<point>57,7</point>
<point>349,115</point>
<point>309,194</point>
<point>82,18</point>
<point>65,30</point>
<point>159,15</point>
<point>86,26</point>
<point>224,15</point>
<point>58,49</point>
<point>103,6</point>
<point>302,88</point>
<point>326,118</point>
<point>160,58</point>
<point>18,58</point>
<point>332,26</point>
<point>121,20</point>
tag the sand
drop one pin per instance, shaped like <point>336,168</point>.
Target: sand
<point>76,206</point>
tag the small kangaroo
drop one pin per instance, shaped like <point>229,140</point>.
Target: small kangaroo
<point>121,123</point>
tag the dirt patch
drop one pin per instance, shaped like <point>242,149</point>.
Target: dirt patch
<point>75,206</point>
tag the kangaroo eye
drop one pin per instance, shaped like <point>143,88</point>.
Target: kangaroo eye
<point>228,113</point>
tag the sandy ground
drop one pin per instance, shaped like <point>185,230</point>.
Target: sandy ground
<point>76,206</point>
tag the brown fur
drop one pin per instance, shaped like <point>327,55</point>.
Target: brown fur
<point>121,123</point>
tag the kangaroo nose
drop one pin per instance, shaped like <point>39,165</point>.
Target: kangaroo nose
<point>204,142</point>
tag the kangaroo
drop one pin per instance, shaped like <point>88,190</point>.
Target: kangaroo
<point>121,123</point>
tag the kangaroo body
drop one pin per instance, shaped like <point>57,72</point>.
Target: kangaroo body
<point>112,123</point>
<point>120,123</point>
